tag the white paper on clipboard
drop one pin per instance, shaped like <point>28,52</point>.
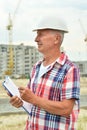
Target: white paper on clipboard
<point>13,90</point>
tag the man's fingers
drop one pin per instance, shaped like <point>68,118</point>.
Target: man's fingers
<point>16,101</point>
<point>21,88</point>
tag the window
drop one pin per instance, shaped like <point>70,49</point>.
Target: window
<point>81,67</point>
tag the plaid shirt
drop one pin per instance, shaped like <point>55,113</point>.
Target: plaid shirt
<point>61,81</point>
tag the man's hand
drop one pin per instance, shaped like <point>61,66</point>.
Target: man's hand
<point>27,95</point>
<point>16,101</point>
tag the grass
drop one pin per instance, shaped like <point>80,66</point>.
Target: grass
<point>82,120</point>
<point>13,122</point>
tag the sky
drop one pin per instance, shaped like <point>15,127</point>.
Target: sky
<point>25,14</point>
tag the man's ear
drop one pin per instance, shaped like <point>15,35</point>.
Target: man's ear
<point>57,38</point>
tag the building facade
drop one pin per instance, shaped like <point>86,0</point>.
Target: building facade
<point>24,57</point>
<point>83,67</point>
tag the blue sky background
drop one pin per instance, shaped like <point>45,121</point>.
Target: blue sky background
<point>30,11</point>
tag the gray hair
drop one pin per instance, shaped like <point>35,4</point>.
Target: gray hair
<point>61,33</point>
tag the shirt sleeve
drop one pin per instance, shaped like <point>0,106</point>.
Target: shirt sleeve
<point>71,84</point>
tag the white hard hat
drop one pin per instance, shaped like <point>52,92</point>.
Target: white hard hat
<point>51,22</point>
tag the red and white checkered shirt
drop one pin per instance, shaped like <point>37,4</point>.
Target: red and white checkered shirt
<point>61,81</point>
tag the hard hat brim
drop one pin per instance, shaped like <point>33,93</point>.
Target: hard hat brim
<point>49,29</point>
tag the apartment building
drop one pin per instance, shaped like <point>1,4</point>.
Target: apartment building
<point>83,67</point>
<point>24,57</point>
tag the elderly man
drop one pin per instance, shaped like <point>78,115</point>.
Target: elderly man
<point>53,89</point>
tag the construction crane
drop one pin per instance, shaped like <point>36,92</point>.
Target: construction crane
<point>84,31</point>
<point>10,63</point>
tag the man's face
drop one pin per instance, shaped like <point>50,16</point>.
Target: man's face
<point>45,40</point>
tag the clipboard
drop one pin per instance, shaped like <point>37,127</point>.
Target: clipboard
<point>9,85</point>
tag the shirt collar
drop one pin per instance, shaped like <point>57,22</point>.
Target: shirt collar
<point>61,60</point>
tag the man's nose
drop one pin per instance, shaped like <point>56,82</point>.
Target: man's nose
<point>36,39</point>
